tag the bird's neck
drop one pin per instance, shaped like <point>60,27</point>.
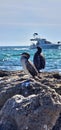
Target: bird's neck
<point>38,52</point>
<point>24,59</point>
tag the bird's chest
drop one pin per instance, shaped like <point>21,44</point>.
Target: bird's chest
<point>24,64</point>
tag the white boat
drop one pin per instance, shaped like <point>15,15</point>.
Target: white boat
<point>44,44</point>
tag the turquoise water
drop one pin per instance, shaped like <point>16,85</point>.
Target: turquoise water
<point>10,58</point>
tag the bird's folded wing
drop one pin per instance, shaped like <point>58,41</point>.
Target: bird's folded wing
<point>32,70</point>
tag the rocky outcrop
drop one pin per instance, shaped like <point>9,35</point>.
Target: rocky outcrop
<point>30,104</point>
<point>57,126</point>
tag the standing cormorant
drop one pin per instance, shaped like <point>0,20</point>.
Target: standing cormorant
<point>39,59</point>
<point>28,67</point>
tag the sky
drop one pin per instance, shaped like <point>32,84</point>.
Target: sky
<point>20,19</point>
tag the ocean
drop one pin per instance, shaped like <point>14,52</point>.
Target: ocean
<point>10,58</point>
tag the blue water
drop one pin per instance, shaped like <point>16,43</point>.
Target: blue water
<point>10,58</point>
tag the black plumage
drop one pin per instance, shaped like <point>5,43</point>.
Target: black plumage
<point>39,59</point>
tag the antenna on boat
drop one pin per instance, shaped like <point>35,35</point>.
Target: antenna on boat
<point>35,34</point>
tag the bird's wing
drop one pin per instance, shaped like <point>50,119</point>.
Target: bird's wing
<point>36,60</point>
<point>31,68</point>
<point>42,61</point>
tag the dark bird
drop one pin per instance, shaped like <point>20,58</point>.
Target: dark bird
<point>28,67</point>
<point>39,59</point>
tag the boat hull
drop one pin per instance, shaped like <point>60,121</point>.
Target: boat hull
<point>48,46</point>
<point>52,46</point>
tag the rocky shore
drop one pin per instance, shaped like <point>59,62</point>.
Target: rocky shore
<point>30,104</point>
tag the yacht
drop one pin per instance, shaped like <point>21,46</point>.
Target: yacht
<point>41,42</point>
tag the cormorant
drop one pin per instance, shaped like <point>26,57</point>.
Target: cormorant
<point>28,66</point>
<point>39,59</point>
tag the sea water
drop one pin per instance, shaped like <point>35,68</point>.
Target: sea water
<point>10,58</point>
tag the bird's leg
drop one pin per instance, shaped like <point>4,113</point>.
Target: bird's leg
<point>37,78</point>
